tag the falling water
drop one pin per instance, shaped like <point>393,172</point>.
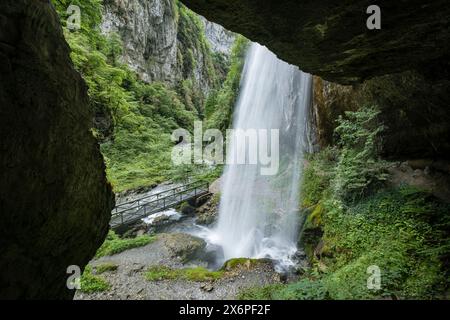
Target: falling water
<point>258,215</point>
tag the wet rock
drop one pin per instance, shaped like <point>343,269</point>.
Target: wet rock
<point>208,213</point>
<point>187,208</point>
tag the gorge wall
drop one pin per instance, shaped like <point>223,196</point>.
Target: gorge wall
<point>55,202</point>
<point>163,43</point>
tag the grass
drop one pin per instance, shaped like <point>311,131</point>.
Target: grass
<point>239,262</point>
<point>105,267</point>
<point>92,283</point>
<point>198,274</point>
<point>304,289</point>
<point>113,244</point>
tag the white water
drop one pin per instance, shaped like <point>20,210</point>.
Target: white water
<point>258,215</point>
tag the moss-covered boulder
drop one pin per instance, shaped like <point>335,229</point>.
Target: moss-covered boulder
<point>183,246</point>
<point>245,263</point>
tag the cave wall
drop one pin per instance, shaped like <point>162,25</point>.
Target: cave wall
<point>403,68</point>
<point>330,38</point>
<point>55,202</point>
<point>414,109</point>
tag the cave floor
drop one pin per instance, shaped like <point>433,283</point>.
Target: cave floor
<point>128,281</point>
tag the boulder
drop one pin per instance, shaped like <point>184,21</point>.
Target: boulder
<point>183,246</point>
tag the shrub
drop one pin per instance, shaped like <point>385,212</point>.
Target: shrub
<point>359,170</point>
<point>105,267</point>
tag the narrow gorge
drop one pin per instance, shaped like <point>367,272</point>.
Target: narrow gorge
<point>343,136</point>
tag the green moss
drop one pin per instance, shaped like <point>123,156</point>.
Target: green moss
<point>220,104</point>
<point>317,174</point>
<point>113,244</point>
<point>304,289</point>
<point>92,283</point>
<point>240,262</point>
<point>315,219</point>
<point>260,293</point>
<point>158,273</point>
<point>201,274</point>
<point>105,267</point>
<point>198,274</point>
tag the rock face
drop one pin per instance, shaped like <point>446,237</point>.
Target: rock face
<point>208,212</point>
<point>331,39</point>
<point>220,39</point>
<point>55,202</point>
<point>148,29</point>
<point>154,43</point>
<point>414,109</point>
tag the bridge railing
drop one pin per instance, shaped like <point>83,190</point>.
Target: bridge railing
<point>142,207</point>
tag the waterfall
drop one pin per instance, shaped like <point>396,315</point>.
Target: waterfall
<point>259,215</point>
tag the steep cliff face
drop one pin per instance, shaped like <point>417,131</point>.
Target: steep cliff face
<point>164,42</point>
<point>148,29</point>
<point>221,40</point>
<point>331,39</point>
<point>55,202</point>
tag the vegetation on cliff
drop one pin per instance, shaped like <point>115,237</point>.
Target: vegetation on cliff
<point>356,222</point>
<point>133,119</point>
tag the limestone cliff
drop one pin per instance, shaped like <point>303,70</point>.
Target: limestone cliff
<point>164,43</point>
<point>55,202</point>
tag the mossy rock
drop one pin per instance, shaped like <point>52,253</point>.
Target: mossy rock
<point>197,274</point>
<point>184,246</point>
<point>186,208</point>
<point>247,263</point>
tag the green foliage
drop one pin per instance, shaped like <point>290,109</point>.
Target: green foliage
<point>260,293</point>
<point>91,16</point>
<point>198,274</point>
<point>317,174</point>
<point>140,117</point>
<point>92,283</point>
<point>158,273</point>
<point>398,230</point>
<point>359,169</point>
<point>114,244</point>
<point>402,230</point>
<point>220,104</point>
<point>304,289</point>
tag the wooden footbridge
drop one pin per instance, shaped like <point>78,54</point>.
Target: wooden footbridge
<point>128,213</point>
